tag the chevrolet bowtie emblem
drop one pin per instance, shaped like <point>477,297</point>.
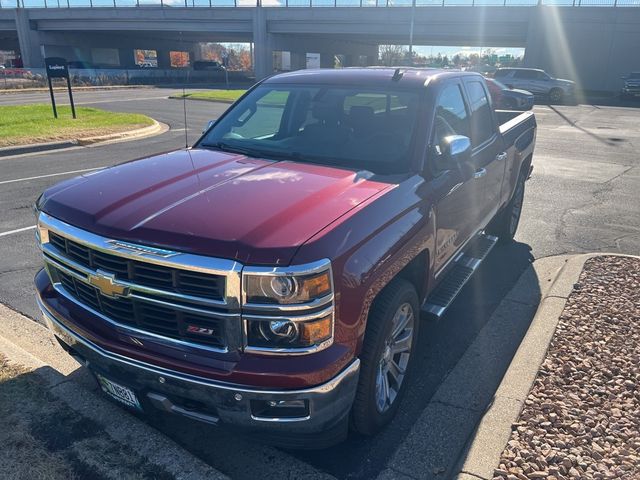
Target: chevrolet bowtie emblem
<point>107,284</point>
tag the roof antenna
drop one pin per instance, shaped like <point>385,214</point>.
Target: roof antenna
<point>397,75</point>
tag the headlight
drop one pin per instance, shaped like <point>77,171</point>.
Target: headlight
<point>288,310</point>
<point>36,206</point>
<point>42,234</point>
<point>285,289</point>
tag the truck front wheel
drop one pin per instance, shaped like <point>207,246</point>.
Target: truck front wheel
<point>390,340</point>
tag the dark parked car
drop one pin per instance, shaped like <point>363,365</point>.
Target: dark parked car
<point>537,82</point>
<point>208,65</point>
<point>631,86</point>
<point>509,98</point>
<point>272,277</point>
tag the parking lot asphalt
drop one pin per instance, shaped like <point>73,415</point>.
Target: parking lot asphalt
<point>584,196</point>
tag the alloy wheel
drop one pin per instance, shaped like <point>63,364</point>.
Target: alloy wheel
<point>392,366</point>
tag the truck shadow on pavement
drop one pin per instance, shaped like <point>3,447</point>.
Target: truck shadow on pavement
<point>429,438</point>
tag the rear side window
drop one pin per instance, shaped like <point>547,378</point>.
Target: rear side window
<point>502,73</point>
<point>482,127</point>
<point>527,74</point>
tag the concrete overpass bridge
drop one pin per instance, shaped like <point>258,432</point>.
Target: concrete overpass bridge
<point>593,45</point>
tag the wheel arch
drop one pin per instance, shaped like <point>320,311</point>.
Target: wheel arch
<point>417,272</point>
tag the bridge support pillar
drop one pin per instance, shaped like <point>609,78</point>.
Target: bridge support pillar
<point>164,58</point>
<point>262,45</point>
<point>127,57</point>
<point>31,50</point>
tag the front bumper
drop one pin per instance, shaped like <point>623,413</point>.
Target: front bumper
<point>328,405</point>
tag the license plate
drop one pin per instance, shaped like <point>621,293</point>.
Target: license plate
<point>118,392</point>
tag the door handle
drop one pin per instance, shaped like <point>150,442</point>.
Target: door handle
<point>480,173</point>
<point>501,156</point>
<point>454,188</point>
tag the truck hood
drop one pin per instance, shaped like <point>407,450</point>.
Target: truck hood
<point>211,203</point>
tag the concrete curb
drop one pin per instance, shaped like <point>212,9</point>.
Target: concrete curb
<point>30,344</point>
<point>482,452</point>
<point>155,129</point>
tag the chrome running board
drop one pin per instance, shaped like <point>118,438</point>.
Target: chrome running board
<point>459,274</point>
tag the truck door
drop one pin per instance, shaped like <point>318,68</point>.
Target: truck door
<point>488,155</point>
<point>455,198</point>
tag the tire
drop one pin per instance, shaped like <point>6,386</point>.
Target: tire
<point>398,300</point>
<point>505,225</point>
<point>556,95</point>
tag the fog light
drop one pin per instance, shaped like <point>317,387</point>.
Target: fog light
<point>285,333</point>
<point>280,408</point>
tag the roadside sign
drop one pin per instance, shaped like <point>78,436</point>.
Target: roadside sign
<point>57,67</point>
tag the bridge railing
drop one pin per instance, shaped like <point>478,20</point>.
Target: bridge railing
<point>308,3</point>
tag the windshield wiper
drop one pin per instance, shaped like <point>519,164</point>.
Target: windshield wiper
<point>271,154</point>
<point>225,147</point>
<point>298,157</point>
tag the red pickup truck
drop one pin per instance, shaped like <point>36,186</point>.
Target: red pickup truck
<point>272,277</point>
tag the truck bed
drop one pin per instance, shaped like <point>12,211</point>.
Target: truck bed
<point>517,128</point>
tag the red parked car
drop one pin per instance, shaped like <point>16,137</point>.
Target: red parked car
<point>509,98</point>
<point>272,277</point>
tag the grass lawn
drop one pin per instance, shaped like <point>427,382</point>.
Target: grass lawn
<point>214,95</point>
<point>25,124</point>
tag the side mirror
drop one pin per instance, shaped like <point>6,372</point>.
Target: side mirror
<point>209,125</point>
<point>457,150</point>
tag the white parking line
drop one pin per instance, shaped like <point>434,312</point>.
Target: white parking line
<point>50,175</point>
<point>18,230</point>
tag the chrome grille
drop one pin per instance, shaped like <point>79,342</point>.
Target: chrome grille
<point>172,296</point>
<point>142,273</point>
<point>157,319</point>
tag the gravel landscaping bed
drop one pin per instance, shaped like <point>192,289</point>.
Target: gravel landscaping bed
<point>581,419</point>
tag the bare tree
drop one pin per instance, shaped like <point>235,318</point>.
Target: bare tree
<point>391,55</point>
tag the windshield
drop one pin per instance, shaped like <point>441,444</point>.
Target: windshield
<point>352,127</point>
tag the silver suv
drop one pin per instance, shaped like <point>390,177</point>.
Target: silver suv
<point>537,82</point>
